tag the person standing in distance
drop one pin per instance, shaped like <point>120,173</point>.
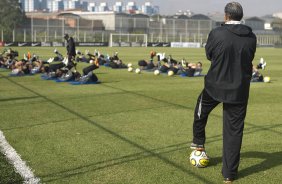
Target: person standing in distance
<point>71,52</point>
<point>231,49</point>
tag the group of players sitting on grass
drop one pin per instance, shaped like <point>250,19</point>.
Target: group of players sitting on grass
<point>63,69</point>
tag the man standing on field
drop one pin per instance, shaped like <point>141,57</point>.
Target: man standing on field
<point>71,52</point>
<point>231,49</point>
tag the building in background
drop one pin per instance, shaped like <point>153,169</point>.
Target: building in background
<point>255,23</point>
<point>58,5</point>
<point>28,5</point>
<point>118,7</point>
<point>84,6</point>
<point>55,5</point>
<point>71,4</point>
<point>103,7</point>
<point>131,7</point>
<point>33,5</point>
<point>91,7</point>
<point>149,9</point>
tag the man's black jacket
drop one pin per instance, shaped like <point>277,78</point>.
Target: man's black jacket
<point>71,47</point>
<point>231,49</point>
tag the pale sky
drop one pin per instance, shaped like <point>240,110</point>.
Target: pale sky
<point>170,7</point>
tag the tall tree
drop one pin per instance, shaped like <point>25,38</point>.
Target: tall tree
<point>11,16</point>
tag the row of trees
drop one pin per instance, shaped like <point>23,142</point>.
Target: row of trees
<point>11,17</point>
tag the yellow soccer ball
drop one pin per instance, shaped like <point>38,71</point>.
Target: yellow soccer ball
<point>129,65</point>
<point>170,73</point>
<point>157,72</point>
<point>266,79</point>
<point>138,71</point>
<point>199,159</point>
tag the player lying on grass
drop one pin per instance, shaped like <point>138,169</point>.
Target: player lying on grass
<point>8,57</point>
<point>87,75</point>
<point>80,57</point>
<point>59,56</point>
<point>256,75</point>
<point>57,70</point>
<point>115,62</point>
<point>87,57</point>
<point>30,64</point>
<point>191,69</point>
<point>181,68</point>
<point>170,64</point>
<point>148,65</point>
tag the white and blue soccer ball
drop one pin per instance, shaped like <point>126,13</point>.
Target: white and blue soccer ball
<point>199,158</point>
<point>157,72</point>
<point>138,71</point>
<point>170,73</point>
<point>129,65</point>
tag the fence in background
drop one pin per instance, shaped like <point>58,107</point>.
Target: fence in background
<point>157,30</point>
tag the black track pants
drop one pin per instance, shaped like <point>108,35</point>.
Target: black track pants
<point>233,125</point>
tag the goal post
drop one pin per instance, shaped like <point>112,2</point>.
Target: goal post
<point>128,40</point>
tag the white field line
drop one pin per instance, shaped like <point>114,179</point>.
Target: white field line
<point>15,159</point>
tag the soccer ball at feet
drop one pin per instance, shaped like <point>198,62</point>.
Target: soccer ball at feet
<point>199,158</point>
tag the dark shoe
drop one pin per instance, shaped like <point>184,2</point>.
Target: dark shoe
<point>197,146</point>
<point>228,180</point>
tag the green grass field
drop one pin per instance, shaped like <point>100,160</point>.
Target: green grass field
<point>134,128</point>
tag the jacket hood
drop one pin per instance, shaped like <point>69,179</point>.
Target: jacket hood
<point>238,29</point>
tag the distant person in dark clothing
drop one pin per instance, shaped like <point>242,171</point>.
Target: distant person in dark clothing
<point>71,52</point>
<point>231,49</point>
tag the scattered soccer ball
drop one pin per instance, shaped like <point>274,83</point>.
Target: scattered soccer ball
<point>129,65</point>
<point>130,69</point>
<point>199,159</point>
<point>170,73</point>
<point>266,79</point>
<point>157,72</point>
<point>138,71</point>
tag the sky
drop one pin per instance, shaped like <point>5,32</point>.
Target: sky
<point>170,7</point>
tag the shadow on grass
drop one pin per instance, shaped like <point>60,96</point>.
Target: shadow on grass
<point>215,161</point>
<point>108,82</point>
<point>113,162</point>
<point>270,160</point>
<point>101,73</point>
<point>18,98</point>
<point>70,119</point>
